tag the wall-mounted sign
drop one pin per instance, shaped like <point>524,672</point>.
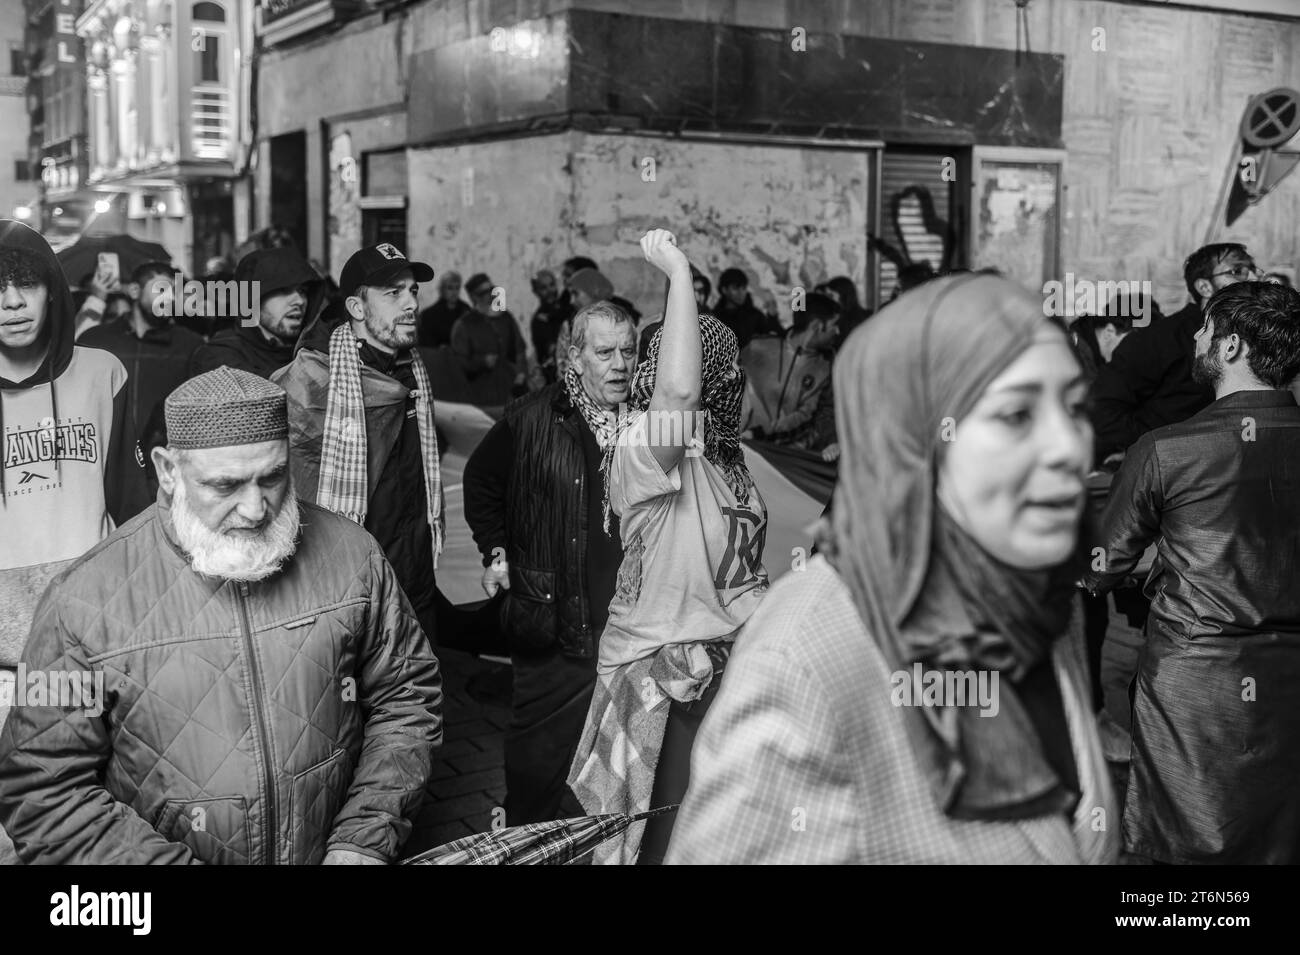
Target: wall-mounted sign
<point>67,43</point>
<point>278,20</point>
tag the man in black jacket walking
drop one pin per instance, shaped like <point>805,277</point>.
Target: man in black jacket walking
<point>291,294</point>
<point>534,501</point>
<point>1148,382</point>
<point>156,353</point>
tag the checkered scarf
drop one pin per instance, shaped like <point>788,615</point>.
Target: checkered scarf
<point>343,482</point>
<point>720,399</point>
<point>604,424</point>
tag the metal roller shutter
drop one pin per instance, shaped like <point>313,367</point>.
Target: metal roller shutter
<point>901,169</point>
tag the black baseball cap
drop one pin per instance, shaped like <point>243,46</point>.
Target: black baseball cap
<point>376,265</point>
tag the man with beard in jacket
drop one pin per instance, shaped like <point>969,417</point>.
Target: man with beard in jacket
<point>361,420</point>
<point>243,679</point>
<point>534,496</point>
<point>291,295</point>
<point>68,473</point>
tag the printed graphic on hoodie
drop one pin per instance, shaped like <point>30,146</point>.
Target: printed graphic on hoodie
<point>35,450</point>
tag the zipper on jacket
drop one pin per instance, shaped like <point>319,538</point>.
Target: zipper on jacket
<point>259,720</point>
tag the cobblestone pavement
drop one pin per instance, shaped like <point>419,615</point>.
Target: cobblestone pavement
<point>468,779</point>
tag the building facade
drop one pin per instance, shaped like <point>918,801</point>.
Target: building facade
<point>18,188</point>
<point>56,92</point>
<point>1073,137</point>
<point>168,87</point>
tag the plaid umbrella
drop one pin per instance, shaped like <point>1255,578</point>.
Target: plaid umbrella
<point>538,843</point>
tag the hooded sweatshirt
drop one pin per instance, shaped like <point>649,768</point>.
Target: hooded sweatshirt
<point>247,347</point>
<point>69,473</point>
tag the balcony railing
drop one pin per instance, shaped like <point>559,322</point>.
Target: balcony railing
<point>210,122</point>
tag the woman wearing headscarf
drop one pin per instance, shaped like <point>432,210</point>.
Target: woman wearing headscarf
<point>909,697</point>
<point>692,525</point>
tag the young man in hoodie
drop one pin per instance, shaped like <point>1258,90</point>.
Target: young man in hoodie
<point>361,429</point>
<point>69,472</point>
<point>291,294</point>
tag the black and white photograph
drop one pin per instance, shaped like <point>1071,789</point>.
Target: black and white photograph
<point>671,432</point>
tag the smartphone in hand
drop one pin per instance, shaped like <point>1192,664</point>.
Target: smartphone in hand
<point>108,271</point>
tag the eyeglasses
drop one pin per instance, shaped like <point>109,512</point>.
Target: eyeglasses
<point>1241,272</point>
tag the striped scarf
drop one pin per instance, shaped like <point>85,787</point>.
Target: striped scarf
<point>342,486</point>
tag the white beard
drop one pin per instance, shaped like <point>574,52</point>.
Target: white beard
<point>215,554</point>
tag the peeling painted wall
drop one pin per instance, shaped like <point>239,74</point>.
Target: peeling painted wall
<point>786,215</point>
<point>500,208</point>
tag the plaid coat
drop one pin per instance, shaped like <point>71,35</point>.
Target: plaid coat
<point>803,758</point>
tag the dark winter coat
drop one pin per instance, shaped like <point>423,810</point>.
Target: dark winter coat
<point>1148,382</point>
<point>155,364</point>
<point>526,491</point>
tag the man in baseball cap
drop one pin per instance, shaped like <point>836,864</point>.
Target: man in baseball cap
<point>361,405</point>
<point>377,265</point>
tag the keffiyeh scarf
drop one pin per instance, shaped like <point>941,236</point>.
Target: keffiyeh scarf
<point>605,424</point>
<point>343,483</point>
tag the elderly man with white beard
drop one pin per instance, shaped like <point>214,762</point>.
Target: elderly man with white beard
<point>269,695</point>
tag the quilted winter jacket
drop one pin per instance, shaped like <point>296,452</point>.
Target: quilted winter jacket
<point>265,722</point>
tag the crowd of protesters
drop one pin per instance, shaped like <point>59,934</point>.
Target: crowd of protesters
<point>287,567</point>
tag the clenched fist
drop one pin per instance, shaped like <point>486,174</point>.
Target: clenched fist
<point>660,249</point>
